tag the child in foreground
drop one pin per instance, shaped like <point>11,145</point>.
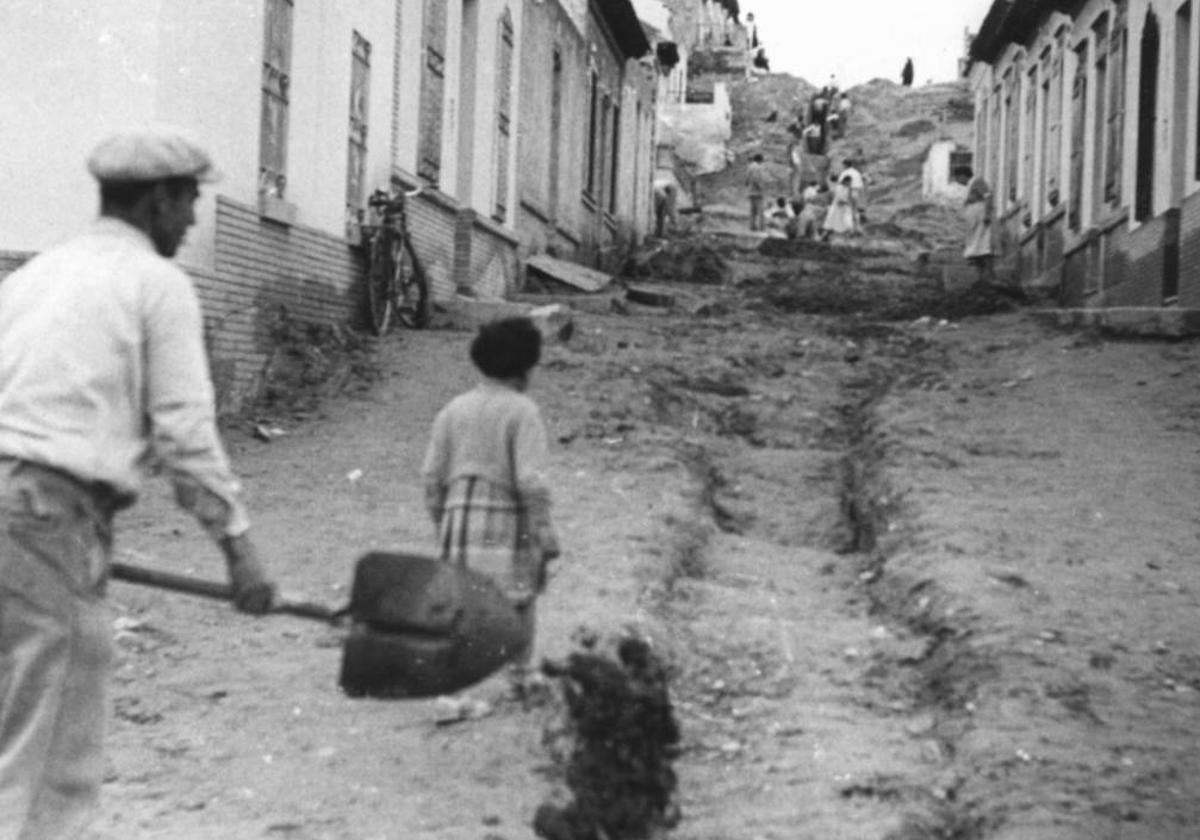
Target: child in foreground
<point>484,471</point>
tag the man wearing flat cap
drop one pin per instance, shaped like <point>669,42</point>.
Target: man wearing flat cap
<point>102,370</point>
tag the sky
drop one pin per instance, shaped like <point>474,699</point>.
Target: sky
<point>859,40</point>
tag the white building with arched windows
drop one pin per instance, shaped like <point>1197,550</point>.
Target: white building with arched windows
<point>1086,118</point>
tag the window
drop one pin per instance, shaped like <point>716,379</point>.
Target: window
<point>982,133</point>
<point>433,88</point>
<point>614,157</point>
<point>1147,120</point>
<point>605,111</point>
<point>1012,114</point>
<point>360,78</point>
<point>592,162</point>
<point>277,65</point>
<point>1052,110</point>
<point>503,114</point>
<point>556,100</point>
<point>1028,184</point>
<point>1114,151</point>
<point>1078,132</point>
<point>993,160</point>
<point>1099,120</point>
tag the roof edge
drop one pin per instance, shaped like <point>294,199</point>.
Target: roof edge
<point>623,21</point>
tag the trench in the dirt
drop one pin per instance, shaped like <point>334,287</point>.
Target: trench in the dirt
<point>887,358</point>
<point>946,679</point>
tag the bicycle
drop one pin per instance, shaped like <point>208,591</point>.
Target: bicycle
<point>397,287</point>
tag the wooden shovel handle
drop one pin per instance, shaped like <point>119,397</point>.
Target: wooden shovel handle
<point>219,591</point>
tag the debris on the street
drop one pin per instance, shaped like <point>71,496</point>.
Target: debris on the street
<point>624,741</point>
<point>450,710</point>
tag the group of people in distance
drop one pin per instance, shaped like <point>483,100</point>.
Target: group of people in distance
<point>812,210</point>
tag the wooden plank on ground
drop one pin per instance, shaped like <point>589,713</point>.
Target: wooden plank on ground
<point>572,274</point>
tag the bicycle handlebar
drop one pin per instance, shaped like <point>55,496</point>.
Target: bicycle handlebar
<point>383,198</point>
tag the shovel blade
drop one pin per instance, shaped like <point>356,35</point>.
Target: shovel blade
<point>410,655</point>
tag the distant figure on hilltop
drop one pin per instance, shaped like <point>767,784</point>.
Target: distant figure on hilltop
<point>906,75</point>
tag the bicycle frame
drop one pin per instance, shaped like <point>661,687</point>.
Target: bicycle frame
<point>395,282</point>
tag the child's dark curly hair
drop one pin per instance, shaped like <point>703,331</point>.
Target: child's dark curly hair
<point>507,348</point>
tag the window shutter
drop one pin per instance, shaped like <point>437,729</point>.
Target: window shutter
<point>1012,107</point>
<point>1078,130</point>
<point>276,84</point>
<point>503,114</point>
<point>360,86</point>
<point>1052,154</point>
<point>433,91</point>
<point>1031,98</point>
<point>1116,108</point>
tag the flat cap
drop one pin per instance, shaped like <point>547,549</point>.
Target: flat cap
<point>151,153</point>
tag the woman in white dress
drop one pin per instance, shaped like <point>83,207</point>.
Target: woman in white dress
<point>839,218</point>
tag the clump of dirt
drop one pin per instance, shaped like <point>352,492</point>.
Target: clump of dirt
<point>625,739</point>
<point>916,128</point>
<point>883,296</point>
<point>311,362</point>
<point>700,264</point>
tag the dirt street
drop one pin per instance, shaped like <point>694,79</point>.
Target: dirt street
<point>921,566</point>
<point>918,578</point>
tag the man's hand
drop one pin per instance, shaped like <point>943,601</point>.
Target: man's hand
<point>253,590</point>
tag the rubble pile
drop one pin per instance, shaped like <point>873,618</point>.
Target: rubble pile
<point>624,740</point>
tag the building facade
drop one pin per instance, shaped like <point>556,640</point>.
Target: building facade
<point>588,108</point>
<point>1086,127</point>
<point>306,107</point>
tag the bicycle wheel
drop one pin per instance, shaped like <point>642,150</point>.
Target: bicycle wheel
<point>412,287</point>
<point>381,295</point>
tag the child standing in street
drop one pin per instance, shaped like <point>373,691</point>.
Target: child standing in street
<point>484,471</point>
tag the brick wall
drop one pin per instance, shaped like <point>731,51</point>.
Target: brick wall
<point>1029,251</point>
<point>1114,260</point>
<point>1142,282</point>
<point>261,271</point>
<point>493,261</point>
<point>1189,252</point>
<point>1050,262</point>
<point>431,224</point>
<point>1077,267</point>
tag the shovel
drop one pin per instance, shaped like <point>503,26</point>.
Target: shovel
<point>419,627</point>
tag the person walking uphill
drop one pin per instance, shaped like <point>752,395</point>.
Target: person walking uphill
<point>485,471</point>
<point>102,370</point>
<point>756,187</point>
